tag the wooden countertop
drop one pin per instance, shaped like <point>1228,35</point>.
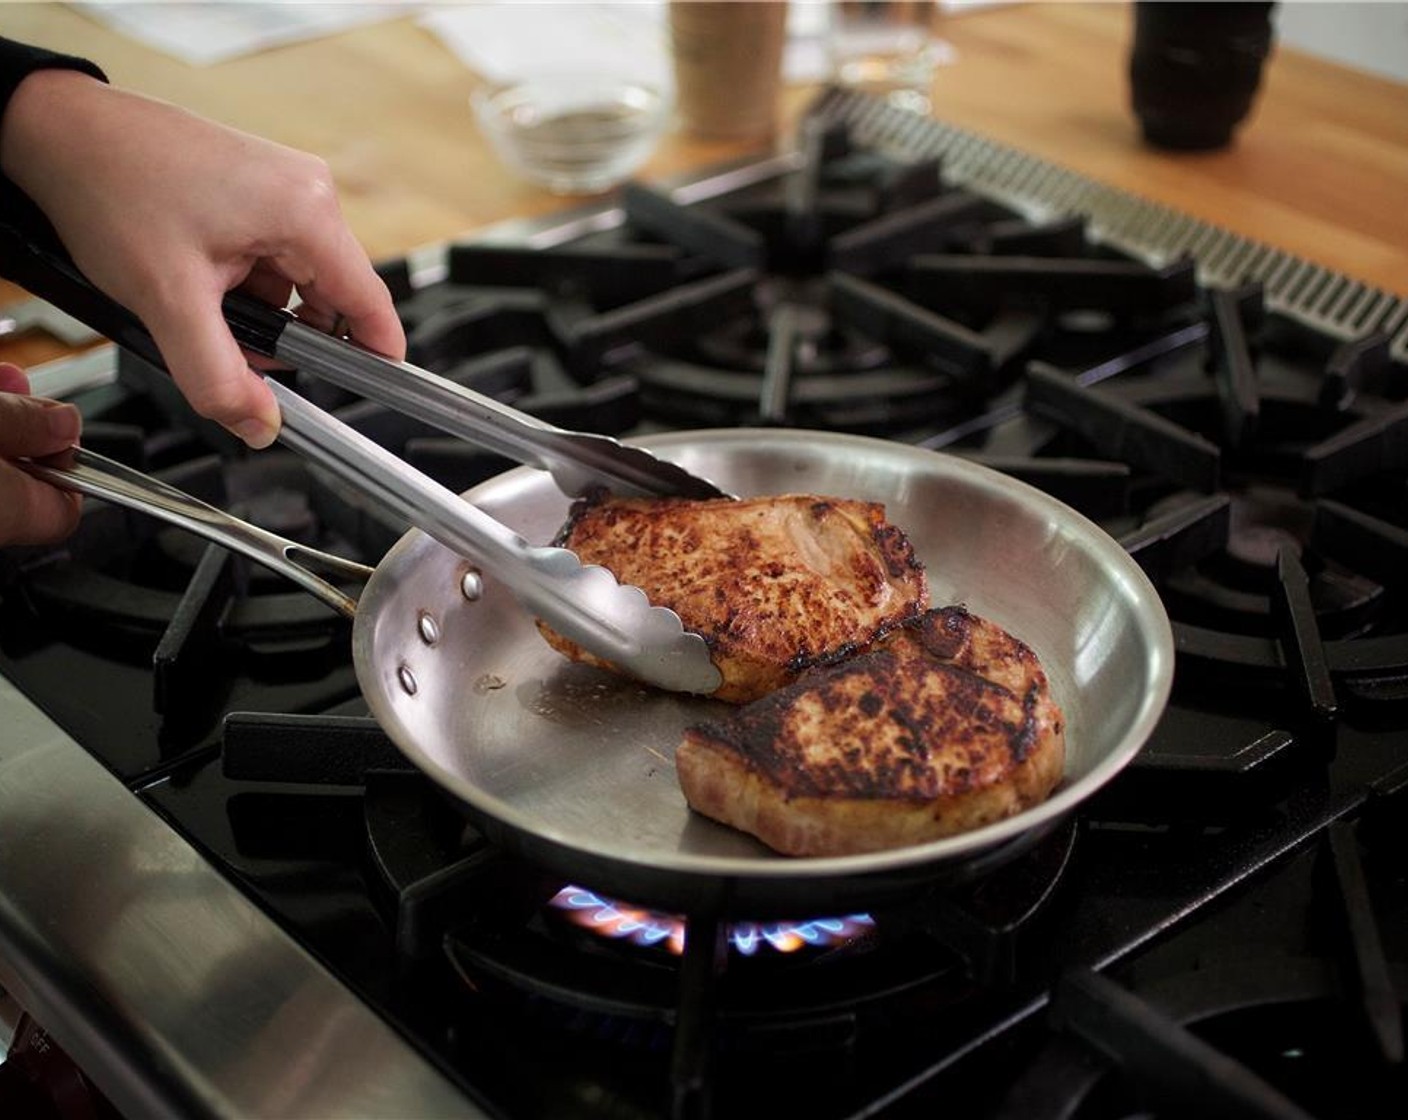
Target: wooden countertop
<point>1320,169</point>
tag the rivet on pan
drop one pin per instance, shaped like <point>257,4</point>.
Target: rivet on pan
<point>408,679</point>
<point>471,585</point>
<point>429,629</point>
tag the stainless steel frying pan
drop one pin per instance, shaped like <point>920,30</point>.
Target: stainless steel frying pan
<point>573,767</point>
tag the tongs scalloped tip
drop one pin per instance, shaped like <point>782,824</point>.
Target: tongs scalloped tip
<point>618,623</point>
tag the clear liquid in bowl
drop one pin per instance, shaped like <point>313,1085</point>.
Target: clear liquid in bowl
<point>574,138</point>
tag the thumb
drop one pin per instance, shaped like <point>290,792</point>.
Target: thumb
<point>30,511</point>
<point>13,379</point>
<point>34,426</point>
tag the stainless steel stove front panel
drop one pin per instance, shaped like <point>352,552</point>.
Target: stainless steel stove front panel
<point>162,981</point>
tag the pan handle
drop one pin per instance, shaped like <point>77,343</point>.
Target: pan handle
<point>94,474</point>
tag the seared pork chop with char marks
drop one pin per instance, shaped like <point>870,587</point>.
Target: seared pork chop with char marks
<point>947,726</point>
<point>775,585</point>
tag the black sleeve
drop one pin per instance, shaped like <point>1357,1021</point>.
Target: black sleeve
<point>17,62</point>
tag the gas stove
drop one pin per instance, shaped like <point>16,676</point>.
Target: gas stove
<point>226,893</point>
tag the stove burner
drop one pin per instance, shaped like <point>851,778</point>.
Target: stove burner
<point>648,928</point>
<point>1298,1055</point>
<point>860,294</point>
<point>195,627</point>
<point>1266,519</point>
<point>1269,1035</point>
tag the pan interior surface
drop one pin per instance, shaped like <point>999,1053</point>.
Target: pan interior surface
<point>580,759</point>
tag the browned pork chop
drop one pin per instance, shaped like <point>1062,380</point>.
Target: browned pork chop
<point>775,585</point>
<point>947,726</point>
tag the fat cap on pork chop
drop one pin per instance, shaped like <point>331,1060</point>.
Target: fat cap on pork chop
<point>775,585</point>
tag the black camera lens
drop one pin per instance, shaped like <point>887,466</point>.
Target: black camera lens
<point>1195,68</point>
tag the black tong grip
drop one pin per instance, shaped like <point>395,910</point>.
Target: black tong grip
<point>39,263</point>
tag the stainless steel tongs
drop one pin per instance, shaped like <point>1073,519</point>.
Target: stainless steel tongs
<point>577,461</point>
<point>584,603</point>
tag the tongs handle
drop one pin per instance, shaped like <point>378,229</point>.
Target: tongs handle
<point>90,473</point>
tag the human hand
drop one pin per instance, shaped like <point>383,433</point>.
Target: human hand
<point>166,211</point>
<point>33,512</point>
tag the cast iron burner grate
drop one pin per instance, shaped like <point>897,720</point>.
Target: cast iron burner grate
<point>1255,1028</point>
<point>1327,302</point>
<point>169,632</point>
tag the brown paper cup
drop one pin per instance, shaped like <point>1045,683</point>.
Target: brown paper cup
<point>728,66</point>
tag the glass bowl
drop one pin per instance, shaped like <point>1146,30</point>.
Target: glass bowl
<point>574,134</point>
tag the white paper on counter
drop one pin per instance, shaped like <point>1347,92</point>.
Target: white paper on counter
<point>206,33</point>
<point>509,40</point>
<point>503,40</point>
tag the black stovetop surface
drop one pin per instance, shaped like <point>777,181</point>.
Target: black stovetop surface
<point>1246,873</point>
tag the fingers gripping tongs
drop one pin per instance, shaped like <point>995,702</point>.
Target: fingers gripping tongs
<point>584,603</point>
